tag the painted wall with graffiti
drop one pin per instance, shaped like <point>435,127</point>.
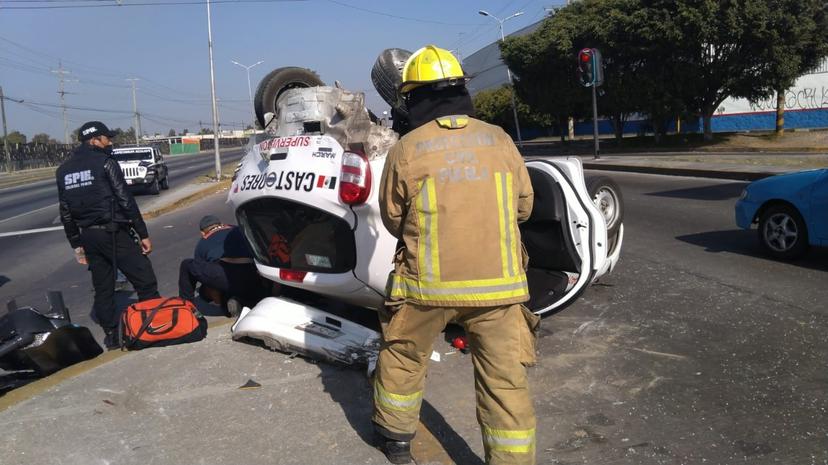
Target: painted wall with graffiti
<point>806,106</point>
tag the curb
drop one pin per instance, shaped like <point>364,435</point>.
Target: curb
<point>34,388</point>
<point>691,172</point>
<point>208,190</point>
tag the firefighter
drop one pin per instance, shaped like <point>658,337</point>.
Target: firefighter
<point>453,192</point>
<point>98,214</point>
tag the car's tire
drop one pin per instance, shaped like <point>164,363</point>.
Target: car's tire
<point>165,183</point>
<point>278,81</point>
<point>386,75</point>
<point>155,187</point>
<point>783,233</point>
<point>607,197</point>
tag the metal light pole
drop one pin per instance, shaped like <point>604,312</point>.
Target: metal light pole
<point>137,115</point>
<point>213,95</point>
<point>508,72</point>
<point>6,149</point>
<point>249,89</point>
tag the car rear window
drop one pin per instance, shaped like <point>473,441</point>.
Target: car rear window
<point>290,235</point>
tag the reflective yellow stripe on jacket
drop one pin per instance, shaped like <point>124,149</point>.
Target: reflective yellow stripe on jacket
<point>515,441</point>
<point>430,287</point>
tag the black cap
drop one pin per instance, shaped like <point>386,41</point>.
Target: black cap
<point>208,221</point>
<point>93,129</point>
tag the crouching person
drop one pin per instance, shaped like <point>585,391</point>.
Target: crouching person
<point>223,265</point>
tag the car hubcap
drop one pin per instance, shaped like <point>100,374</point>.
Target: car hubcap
<point>781,232</point>
<point>607,204</point>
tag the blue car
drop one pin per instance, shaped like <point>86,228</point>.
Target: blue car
<point>791,211</point>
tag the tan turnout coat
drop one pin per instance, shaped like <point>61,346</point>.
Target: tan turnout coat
<point>453,191</point>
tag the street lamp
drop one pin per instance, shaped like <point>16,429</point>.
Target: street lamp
<point>249,90</point>
<point>213,95</point>
<point>508,72</point>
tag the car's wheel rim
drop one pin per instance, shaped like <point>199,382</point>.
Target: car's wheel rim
<point>607,203</point>
<point>781,232</point>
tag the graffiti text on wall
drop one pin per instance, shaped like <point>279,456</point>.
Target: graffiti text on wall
<point>796,99</point>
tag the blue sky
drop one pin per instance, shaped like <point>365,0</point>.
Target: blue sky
<point>166,48</point>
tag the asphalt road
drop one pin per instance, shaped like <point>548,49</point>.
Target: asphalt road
<point>34,206</point>
<point>697,349</point>
<point>30,264</point>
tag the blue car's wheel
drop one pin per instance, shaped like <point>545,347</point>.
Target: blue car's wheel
<point>782,232</point>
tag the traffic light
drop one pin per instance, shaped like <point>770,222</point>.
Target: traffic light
<point>585,69</point>
<point>590,67</point>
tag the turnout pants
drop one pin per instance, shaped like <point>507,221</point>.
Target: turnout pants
<point>502,343</point>
<point>97,243</point>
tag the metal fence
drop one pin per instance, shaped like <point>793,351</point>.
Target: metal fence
<point>31,155</point>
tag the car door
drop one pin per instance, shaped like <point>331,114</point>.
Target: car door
<point>565,237</point>
<point>818,219</point>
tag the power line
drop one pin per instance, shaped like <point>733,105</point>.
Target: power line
<point>389,15</point>
<point>68,107</point>
<point>119,5</point>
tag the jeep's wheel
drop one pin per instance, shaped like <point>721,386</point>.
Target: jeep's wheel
<point>165,183</point>
<point>783,233</point>
<point>278,81</point>
<point>154,188</point>
<point>606,195</point>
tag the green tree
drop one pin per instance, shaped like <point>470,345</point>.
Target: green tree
<point>124,137</point>
<point>544,72</point>
<point>171,133</point>
<point>41,138</point>
<point>606,25</point>
<point>710,50</point>
<point>16,137</point>
<point>203,131</point>
<point>184,132</point>
<point>495,107</point>
<point>797,41</point>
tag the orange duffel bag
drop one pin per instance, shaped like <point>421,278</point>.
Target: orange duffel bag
<point>161,322</point>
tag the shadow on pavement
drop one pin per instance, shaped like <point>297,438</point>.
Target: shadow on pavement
<point>454,445</point>
<point>352,391</point>
<point>744,242</point>
<point>712,192</point>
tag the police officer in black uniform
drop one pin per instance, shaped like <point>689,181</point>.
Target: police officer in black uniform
<point>97,212</point>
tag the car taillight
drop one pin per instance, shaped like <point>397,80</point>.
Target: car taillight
<point>292,275</point>
<point>355,178</point>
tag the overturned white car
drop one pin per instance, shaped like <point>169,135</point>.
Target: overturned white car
<point>305,195</point>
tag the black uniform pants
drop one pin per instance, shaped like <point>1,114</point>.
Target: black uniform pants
<point>97,243</point>
<point>234,280</point>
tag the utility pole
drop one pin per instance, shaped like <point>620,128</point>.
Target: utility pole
<point>62,72</point>
<point>213,94</point>
<point>138,131</point>
<point>5,132</point>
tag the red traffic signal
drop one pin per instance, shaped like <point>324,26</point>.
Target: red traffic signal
<point>590,67</point>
